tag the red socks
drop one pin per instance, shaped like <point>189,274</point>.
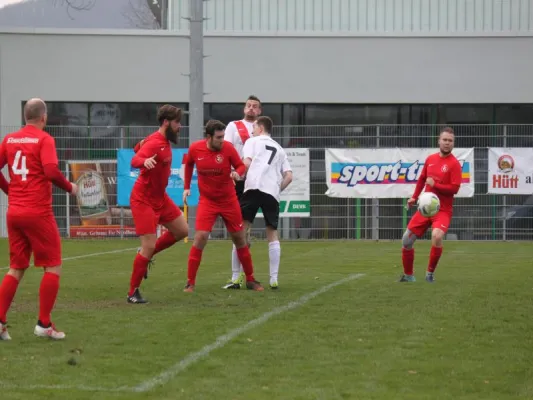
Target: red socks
<point>166,240</point>
<point>8,288</point>
<point>245,257</point>
<point>434,257</point>
<point>195,257</point>
<point>140,266</point>
<point>408,259</point>
<point>47,297</point>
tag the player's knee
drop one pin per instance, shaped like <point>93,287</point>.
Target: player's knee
<point>272,234</point>
<point>200,239</point>
<point>437,236</point>
<point>53,270</point>
<point>408,239</point>
<point>18,274</point>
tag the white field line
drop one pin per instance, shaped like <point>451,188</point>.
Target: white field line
<point>92,255</point>
<point>192,358</point>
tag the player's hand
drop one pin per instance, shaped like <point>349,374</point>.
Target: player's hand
<point>411,202</point>
<point>150,163</point>
<point>235,176</point>
<point>74,190</point>
<point>186,193</point>
<point>430,182</point>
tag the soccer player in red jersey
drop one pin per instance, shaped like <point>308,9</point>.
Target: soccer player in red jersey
<point>214,159</point>
<point>149,202</point>
<point>31,156</point>
<point>442,175</point>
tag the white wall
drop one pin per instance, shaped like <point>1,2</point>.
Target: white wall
<point>133,68</point>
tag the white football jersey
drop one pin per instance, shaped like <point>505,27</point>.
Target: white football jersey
<point>269,162</point>
<point>231,134</point>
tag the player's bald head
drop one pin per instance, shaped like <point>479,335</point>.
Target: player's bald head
<point>34,110</point>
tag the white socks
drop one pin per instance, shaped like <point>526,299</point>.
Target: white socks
<point>274,255</point>
<point>236,267</point>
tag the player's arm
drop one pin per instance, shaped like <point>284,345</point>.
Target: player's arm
<point>4,185</point>
<point>50,165</point>
<point>421,182</point>
<point>286,172</point>
<point>144,157</point>
<point>451,188</point>
<point>229,133</point>
<point>138,146</point>
<point>235,160</point>
<point>189,169</point>
<point>248,154</point>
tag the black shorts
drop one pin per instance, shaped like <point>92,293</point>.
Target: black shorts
<point>253,200</point>
<point>239,188</point>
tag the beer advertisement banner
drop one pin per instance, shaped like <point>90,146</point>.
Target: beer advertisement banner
<point>93,212</point>
<point>386,173</point>
<point>295,199</point>
<point>127,175</point>
<point>510,170</point>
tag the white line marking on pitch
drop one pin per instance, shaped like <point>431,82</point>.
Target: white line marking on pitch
<point>192,358</point>
<point>93,254</point>
<point>221,341</point>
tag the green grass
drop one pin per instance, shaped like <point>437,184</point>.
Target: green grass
<point>468,336</point>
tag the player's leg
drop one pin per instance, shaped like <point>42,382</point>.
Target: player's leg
<point>270,208</point>
<point>249,208</point>
<point>46,245</point>
<point>415,229</point>
<point>440,225</point>
<point>145,220</point>
<point>237,273</point>
<point>206,215</point>
<point>171,218</point>
<point>19,254</point>
<point>232,216</point>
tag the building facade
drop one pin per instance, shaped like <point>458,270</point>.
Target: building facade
<point>343,63</point>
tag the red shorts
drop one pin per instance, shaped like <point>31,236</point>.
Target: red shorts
<point>207,214</point>
<point>146,218</point>
<point>37,235</point>
<point>419,224</point>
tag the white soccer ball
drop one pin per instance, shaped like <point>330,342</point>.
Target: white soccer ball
<point>428,204</point>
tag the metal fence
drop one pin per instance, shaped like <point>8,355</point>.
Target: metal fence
<point>483,217</point>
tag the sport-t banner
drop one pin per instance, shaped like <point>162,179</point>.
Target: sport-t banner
<point>127,175</point>
<point>510,170</point>
<point>386,173</point>
<point>93,212</point>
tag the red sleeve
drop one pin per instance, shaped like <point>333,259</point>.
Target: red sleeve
<point>421,181</point>
<point>53,174</point>
<point>3,156</point>
<point>4,185</point>
<point>143,152</point>
<point>451,188</point>
<point>48,152</point>
<point>189,168</point>
<point>138,146</point>
<point>235,159</point>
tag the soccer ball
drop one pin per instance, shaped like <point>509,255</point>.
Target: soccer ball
<point>428,204</point>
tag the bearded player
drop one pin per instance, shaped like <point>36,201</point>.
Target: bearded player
<point>442,175</point>
<point>150,204</point>
<point>237,133</point>
<point>214,159</point>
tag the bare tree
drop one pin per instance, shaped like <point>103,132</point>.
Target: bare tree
<point>75,5</point>
<point>144,14</point>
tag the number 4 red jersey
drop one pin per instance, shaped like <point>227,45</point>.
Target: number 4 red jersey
<point>26,152</point>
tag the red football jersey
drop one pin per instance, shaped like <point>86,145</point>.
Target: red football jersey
<point>26,152</point>
<point>447,173</point>
<point>214,169</point>
<point>151,184</point>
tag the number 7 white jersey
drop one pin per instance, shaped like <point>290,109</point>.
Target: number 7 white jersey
<point>269,162</point>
